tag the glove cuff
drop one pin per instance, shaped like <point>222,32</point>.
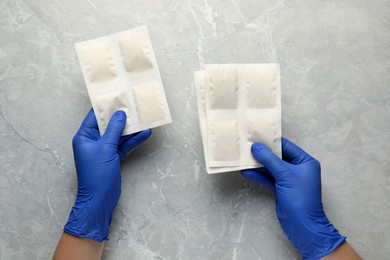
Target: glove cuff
<point>87,221</point>
<point>321,241</point>
<point>334,243</point>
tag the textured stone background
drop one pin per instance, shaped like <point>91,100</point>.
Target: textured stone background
<point>335,61</point>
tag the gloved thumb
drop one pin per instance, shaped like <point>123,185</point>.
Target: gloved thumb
<point>268,159</point>
<point>115,128</point>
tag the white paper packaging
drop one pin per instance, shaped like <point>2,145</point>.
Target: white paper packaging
<point>121,73</point>
<point>238,104</point>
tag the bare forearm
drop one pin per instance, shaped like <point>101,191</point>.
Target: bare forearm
<point>345,252</point>
<point>75,248</point>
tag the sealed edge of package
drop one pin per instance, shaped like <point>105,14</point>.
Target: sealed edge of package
<point>121,73</point>
<point>199,78</point>
<point>243,106</point>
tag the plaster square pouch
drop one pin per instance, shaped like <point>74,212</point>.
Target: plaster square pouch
<point>121,73</point>
<point>107,104</point>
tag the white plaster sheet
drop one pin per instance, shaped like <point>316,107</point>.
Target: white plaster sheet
<point>121,73</point>
<point>238,104</point>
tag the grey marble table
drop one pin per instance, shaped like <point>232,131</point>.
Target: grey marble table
<point>335,65</point>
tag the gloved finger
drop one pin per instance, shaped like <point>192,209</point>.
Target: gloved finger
<point>89,127</point>
<point>263,170</point>
<point>259,176</point>
<point>133,142</point>
<point>293,154</point>
<point>125,138</point>
<point>115,128</point>
<point>89,121</point>
<point>268,159</point>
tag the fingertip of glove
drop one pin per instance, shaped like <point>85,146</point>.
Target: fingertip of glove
<point>251,175</point>
<point>246,174</point>
<point>119,115</point>
<point>148,132</point>
<point>145,134</point>
<point>257,147</point>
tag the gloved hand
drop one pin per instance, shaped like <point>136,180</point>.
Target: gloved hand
<point>97,162</point>
<point>296,183</point>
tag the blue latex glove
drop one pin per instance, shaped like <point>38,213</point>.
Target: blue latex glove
<point>296,183</point>
<point>97,162</point>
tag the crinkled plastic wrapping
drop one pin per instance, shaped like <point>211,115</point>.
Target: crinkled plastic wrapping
<point>121,73</point>
<point>238,104</point>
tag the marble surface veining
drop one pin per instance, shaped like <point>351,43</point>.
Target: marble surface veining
<point>335,64</point>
